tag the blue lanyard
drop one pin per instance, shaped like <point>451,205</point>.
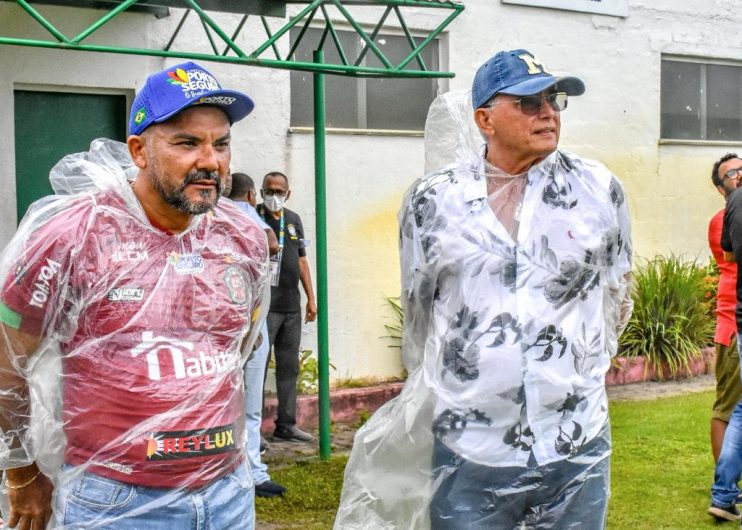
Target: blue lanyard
<point>280,232</point>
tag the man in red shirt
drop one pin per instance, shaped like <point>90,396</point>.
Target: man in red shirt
<point>728,386</point>
<point>725,176</point>
<point>151,291</point>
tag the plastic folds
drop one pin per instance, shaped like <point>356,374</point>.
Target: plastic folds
<point>514,288</point>
<point>123,345</point>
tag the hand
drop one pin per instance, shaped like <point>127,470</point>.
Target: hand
<point>311,311</point>
<point>31,506</point>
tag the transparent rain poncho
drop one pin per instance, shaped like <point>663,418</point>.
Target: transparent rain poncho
<point>122,344</point>
<point>514,289</point>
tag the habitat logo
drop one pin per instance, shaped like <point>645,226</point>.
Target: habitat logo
<point>194,82</point>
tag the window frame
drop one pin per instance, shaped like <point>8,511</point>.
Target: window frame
<point>441,82</point>
<point>704,62</point>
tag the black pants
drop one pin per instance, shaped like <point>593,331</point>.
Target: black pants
<point>567,494</point>
<point>284,333</point>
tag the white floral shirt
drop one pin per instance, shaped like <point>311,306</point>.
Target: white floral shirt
<point>515,336</point>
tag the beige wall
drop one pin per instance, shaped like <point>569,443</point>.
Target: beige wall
<point>617,121</point>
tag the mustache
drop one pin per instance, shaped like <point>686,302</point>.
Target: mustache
<point>202,174</point>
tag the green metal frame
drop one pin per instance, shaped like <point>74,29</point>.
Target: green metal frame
<point>315,13</point>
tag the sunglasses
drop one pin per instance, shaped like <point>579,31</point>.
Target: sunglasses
<point>732,174</point>
<point>271,193</point>
<point>532,105</point>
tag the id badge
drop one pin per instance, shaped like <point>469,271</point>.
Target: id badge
<point>275,268</point>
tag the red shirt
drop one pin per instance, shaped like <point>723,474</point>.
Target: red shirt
<point>726,295</point>
<point>150,326</point>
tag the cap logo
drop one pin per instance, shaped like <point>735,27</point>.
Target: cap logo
<point>534,65</point>
<point>194,82</point>
<point>217,100</point>
<point>140,116</point>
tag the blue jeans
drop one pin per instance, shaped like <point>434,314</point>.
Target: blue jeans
<point>567,494</point>
<point>254,376</point>
<point>724,492</point>
<point>87,501</point>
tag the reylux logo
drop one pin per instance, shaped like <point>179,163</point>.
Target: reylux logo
<point>186,363</point>
<point>41,286</point>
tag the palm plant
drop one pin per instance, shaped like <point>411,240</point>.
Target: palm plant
<point>670,323</point>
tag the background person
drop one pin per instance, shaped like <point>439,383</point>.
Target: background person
<point>288,268</point>
<point>244,195</point>
<point>725,177</point>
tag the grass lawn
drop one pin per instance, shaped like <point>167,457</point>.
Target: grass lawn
<point>661,472</point>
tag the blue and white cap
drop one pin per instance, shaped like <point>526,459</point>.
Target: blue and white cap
<point>518,73</point>
<point>174,89</point>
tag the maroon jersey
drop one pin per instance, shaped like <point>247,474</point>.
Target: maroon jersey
<point>150,326</point>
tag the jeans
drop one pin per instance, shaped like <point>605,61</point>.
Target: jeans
<point>254,376</point>
<point>567,494</point>
<point>724,492</point>
<point>285,337</point>
<point>87,501</point>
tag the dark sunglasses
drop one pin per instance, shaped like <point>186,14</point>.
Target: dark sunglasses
<point>532,105</point>
<point>271,193</point>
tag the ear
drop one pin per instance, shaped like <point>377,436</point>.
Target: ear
<point>288,194</point>
<point>722,191</point>
<point>483,119</point>
<point>137,150</point>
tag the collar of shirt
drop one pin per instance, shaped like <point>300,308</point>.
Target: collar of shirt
<point>475,190</point>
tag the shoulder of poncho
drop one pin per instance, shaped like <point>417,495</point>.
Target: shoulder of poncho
<point>586,169</point>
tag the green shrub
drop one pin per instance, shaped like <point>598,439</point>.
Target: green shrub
<point>395,328</point>
<point>307,381</point>
<point>670,323</point>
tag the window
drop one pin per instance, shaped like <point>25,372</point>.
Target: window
<point>701,101</point>
<point>363,103</point>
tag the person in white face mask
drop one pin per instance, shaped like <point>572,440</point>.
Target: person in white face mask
<point>288,268</point>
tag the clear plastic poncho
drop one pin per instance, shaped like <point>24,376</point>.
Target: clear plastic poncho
<point>122,345</point>
<point>514,289</point>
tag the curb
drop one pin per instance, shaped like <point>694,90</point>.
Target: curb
<point>347,405</point>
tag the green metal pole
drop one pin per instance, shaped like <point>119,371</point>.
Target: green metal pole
<point>320,201</point>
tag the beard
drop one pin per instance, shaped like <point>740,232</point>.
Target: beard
<point>176,196</point>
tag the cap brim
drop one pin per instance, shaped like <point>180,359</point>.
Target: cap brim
<point>237,110</point>
<point>572,86</point>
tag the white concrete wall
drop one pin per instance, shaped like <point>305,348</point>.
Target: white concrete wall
<point>617,121</point>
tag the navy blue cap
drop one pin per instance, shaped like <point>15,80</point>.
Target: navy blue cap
<point>181,86</point>
<point>518,73</point>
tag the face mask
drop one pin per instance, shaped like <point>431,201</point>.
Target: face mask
<point>274,203</point>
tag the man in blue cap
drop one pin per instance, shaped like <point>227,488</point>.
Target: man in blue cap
<point>152,291</point>
<point>515,263</point>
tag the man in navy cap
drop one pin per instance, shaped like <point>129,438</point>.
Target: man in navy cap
<point>152,291</point>
<point>515,263</point>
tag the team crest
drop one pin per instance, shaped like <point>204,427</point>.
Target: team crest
<point>291,229</point>
<point>236,282</point>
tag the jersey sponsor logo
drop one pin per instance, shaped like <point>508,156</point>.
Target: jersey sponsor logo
<point>186,263</point>
<point>189,444</point>
<point>236,282</point>
<point>42,283</point>
<point>184,361</point>
<point>126,294</point>
<point>130,251</point>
